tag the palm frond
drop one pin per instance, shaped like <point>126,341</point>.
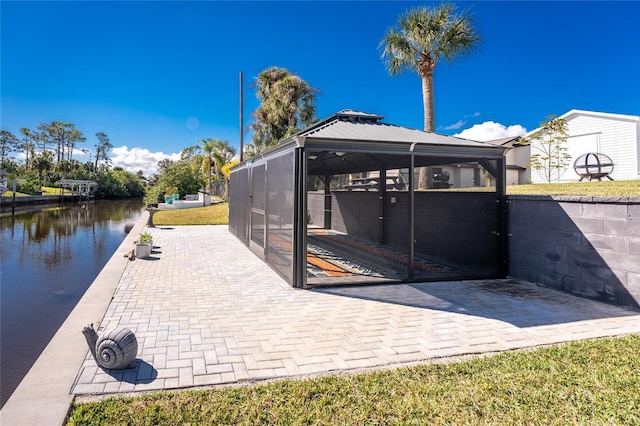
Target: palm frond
<point>440,33</point>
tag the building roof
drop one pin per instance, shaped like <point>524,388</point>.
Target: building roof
<point>509,142</point>
<point>605,115</point>
<point>353,141</point>
<point>361,126</point>
<point>624,117</point>
<point>70,183</point>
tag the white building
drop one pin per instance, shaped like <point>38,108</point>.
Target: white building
<point>614,135</point>
<point>517,158</point>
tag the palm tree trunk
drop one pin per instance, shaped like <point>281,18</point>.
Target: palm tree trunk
<point>427,100</point>
<point>210,186</point>
<point>429,120</point>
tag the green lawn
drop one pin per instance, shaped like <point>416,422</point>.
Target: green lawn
<point>621,188</point>
<point>46,190</point>
<point>593,382</point>
<point>216,214</point>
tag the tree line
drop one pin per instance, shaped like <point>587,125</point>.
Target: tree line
<point>56,140</point>
<point>48,152</point>
<point>202,167</point>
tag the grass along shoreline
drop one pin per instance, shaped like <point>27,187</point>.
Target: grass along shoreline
<point>215,214</point>
<point>587,382</point>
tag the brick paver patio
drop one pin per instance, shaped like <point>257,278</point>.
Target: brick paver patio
<point>206,311</point>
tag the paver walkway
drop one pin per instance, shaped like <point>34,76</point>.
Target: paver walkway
<point>206,311</point>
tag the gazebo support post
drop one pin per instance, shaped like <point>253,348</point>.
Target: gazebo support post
<point>300,220</point>
<point>327,201</point>
<point>501,191</point>
<point>412,217</point>
<point>382,194</point>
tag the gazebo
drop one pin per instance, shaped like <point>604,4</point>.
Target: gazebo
<point>340,203</point>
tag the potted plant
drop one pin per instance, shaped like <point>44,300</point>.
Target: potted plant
<point>171,194</point>
<point>142,250</point>
<point>144,245</point>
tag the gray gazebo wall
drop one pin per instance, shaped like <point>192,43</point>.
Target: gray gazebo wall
<point>263,190</point>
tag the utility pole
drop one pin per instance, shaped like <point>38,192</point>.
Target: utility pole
<point>241,119</point>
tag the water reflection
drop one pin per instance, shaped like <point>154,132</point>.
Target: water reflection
<point>48,258</point>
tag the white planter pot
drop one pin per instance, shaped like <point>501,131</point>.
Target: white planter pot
<point>143,250</point>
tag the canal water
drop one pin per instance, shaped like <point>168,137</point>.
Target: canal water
<point>48,259</point>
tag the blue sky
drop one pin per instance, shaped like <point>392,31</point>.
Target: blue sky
<point>157,77</point>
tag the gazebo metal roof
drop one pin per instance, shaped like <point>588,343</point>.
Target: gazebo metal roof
<point>353,131</point>
<point>359,126</point>
<point>361,141</point>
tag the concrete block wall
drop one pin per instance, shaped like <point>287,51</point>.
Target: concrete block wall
<point>587,246</point>
<point>356,213</point>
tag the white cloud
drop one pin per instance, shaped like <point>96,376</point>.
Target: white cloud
<point>135,159</point>
<point>490,130</point>
<point>456,126</point>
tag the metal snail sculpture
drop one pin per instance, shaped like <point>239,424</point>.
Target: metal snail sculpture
<point>113,350</point>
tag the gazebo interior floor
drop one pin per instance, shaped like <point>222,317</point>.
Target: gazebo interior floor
<point>337,258</point>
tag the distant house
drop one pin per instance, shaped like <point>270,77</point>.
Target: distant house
<point>615,135</point>
<point>517,158</point>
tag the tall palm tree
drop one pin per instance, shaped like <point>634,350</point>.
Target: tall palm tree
<point>208,147</point>
<point>222,155</point>
<point>422,38</point>
<point>286,106</point>
<point>216,154</point>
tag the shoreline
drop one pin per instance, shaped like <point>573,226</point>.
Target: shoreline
<point>33,202</point>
